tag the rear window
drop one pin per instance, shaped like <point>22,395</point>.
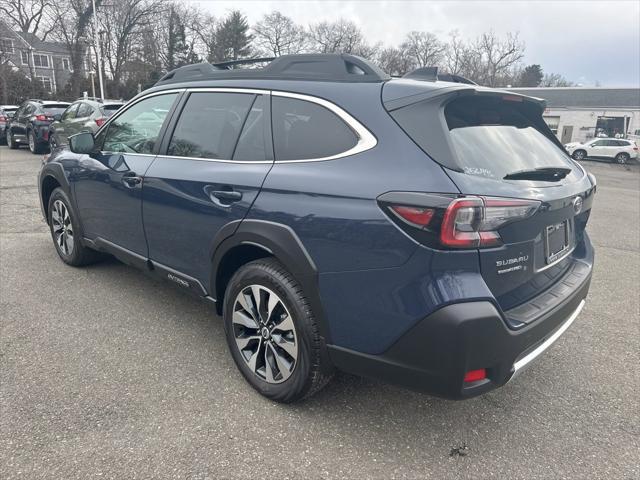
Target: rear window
<point>493,137</point>
<point>55,106</point>
<point>303,130</point>
<point>108,110</point>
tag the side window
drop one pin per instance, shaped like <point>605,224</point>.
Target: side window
<point>71,112</point>
<point>209,125</point>
<point>136,130</point>
<point>251,144</point>
<point>304,130</point>
<point>29,109</point>
<point>84,110</point>
<point>599,143</point>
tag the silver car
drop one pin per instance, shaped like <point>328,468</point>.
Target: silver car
<point>84,115</point>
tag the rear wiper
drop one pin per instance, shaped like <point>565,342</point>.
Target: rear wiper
<point>546,174</point>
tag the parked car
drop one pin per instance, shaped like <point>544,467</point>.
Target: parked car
<point>30,124</point>
<point>6,112</point>
<point>401,229</point>
<point>83,115</point>
<point>618,150</point>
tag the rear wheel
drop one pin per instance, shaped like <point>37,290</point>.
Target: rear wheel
<point>11,141</point>
<point>272,333</point>
<point>52,141</point>
<point>66,232</point>
<point>34,145</point>
<point>579,155</point>
<point>622,158</point>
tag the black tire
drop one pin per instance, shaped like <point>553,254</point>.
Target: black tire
<point>312,369</point>
<point>34,146</point>
<point>52,142</point>
<point>11,142</point>
<point>622,158</point>
<point>579,155</point>
<point>79,255</point>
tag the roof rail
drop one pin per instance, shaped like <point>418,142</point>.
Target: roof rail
<point>331,67</point>
<point>247,61</point>
<point>430,74</point>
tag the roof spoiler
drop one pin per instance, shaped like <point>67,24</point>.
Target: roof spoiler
<point>430,74</point>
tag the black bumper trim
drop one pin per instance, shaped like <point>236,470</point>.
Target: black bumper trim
<point>434,355</point>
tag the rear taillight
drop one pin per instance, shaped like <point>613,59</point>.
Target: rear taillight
<point>100,121</point>
<point>459,223</point>
<point>40,118</point>
<point>416,216</point>
<point>472,222</point>
<point>3,118</point>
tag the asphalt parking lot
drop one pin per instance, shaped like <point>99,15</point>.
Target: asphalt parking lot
<point>107,373</point>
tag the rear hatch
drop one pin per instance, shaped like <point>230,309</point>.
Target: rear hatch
<point>524,202</point>
<point>49,111</point>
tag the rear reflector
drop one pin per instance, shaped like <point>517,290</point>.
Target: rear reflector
<point>475,375</point>
<point>416,216</point>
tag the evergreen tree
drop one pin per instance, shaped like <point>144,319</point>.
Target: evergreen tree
<point>531,76</point>
<point>233,40</point>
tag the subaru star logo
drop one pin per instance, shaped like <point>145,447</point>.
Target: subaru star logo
<point>577,205</point>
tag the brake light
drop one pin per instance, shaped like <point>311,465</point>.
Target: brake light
<point>475,375</point>
<point>41,118</point>
<point>442,221</point>
<point>416,216</point>
<point>100,121</point>
<point>472,222</point>
<point>3,118</point>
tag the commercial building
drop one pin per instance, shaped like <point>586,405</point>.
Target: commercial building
<point>577,114</point>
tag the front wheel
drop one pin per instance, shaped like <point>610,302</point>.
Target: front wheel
<point>579,155</point>
<point>622,158</point>
<point>66,232</point>
<point>272,333</point>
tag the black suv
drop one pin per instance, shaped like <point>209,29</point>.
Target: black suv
<point>30,124</point>
<point>429,233</point>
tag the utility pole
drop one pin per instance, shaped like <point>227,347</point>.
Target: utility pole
<point>98,49</point>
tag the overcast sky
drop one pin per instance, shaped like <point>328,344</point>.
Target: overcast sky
<point>586,41</point>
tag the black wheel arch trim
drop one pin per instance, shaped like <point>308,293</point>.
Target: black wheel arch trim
<point>280,241</point>
<point>56,171</point>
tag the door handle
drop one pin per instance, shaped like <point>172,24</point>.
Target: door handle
<point>224,197</point>
<point>131,181</point>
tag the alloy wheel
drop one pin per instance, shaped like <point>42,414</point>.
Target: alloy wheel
<point>579,155</point>
<point>62,227</point>
<point>265,333</point>
<point>32,142</point>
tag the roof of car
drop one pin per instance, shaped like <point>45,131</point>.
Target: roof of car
<point>8,107</point>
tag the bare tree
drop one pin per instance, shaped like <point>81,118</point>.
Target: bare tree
<point>395,61</point>
<point>123,27</point>
<point>276,34</point>
<point>555,80</point>
<point>425,48</point>
<point>342,36</point>
<point>498,55</point>
<point>454,53</point>
<point>28,16</point>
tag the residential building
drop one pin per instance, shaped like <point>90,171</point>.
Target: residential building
<point>577,114</point>
<point>46,62</point>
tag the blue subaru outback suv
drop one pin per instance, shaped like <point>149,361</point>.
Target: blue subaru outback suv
<point>424,232</point>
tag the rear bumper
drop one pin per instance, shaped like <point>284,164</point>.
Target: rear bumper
<point>435,354</point>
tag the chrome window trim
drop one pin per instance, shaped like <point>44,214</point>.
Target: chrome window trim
<point>366,140</point>
<point>122,110</point>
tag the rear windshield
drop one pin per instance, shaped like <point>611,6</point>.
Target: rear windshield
<point>493,137</point>
<point>108,110</point>
<point>55,106</point>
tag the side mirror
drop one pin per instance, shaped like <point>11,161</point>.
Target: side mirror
<point>57,117</point>
<point>82,142</point>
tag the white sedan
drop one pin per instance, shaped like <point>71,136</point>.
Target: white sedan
<point>617,149</point>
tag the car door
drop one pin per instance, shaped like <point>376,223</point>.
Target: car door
<point>108,183</point>
<point>63,128</point>
<point>19,125</point>
<point>209,173</point>
<point>597,149</point>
